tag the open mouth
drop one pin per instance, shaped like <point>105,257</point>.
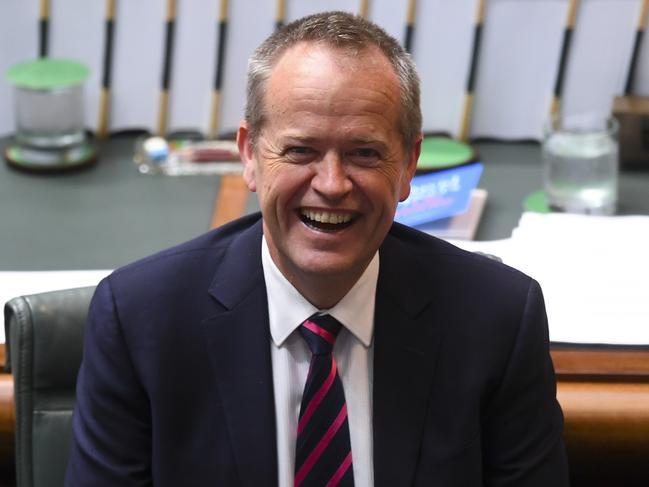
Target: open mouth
<point>327,221</point>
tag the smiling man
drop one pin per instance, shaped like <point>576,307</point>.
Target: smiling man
<point>319,343</point>
<point>329,164</point>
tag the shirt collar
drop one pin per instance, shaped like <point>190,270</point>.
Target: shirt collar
<point>287,308</point>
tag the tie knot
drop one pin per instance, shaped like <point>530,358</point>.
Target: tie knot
<point>320,332</point>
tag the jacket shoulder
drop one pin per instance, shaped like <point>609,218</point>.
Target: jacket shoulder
<point>196,257</point>
<point>435,255</point>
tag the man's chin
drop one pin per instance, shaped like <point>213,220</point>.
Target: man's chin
<point>324,265</point>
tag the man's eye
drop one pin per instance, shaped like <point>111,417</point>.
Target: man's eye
<point>363,156</point>
<point>299,154</point>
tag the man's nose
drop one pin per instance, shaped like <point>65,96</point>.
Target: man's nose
<point>331,178</point>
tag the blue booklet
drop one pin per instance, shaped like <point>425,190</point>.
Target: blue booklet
<point>439,195</point>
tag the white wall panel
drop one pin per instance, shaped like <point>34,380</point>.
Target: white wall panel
<point>641,81</point>
<point>299,8</point>
<point>599,59</point>
<point>519,57</point>
<point>77,32</point>
<point>251,21</point>
<point>18,43</point>
<point>519,60</point>
<point>137,64</point>
<point>194,62</point>
<point>442,49</point>
<point>391,15</point>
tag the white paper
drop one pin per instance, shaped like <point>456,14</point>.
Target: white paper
<point>14,284</point>
<point>594,272</point>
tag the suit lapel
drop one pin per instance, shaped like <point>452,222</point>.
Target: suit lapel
<point>239,345</point>
<point>407,339</point>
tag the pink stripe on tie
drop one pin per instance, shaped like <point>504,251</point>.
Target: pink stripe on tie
<point>321,446</point>
<point>317,398</point>
<point>340,473</point>
<point>318,330</point>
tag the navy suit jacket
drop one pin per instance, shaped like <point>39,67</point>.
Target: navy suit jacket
<point>176,387</point>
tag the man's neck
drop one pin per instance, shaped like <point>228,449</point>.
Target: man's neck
<point>327,293</point>
<point>323,290</point>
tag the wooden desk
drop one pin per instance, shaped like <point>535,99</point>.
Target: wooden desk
<point>604,395</point>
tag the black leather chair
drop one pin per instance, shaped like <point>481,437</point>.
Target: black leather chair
<point>44,336</point>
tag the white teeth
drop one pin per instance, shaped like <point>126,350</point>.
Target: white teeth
<point>326,216</point>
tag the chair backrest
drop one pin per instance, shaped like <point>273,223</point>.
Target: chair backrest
<point>44,336</point>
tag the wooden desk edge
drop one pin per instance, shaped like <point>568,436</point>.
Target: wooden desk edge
<point>575,362</point>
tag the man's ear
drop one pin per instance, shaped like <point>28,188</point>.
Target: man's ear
<point>247,154</point>
<point>411,167</point>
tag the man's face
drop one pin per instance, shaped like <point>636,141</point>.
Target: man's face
<point>329,165</point>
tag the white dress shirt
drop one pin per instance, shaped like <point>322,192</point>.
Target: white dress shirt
<point>290,357</point>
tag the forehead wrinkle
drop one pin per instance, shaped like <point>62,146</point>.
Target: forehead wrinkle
<point>359,93</point>
<point>368,121</point>
<point>353,107</point>
<point>355,131</point>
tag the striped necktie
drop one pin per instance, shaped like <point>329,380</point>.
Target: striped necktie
<point>323,455</point>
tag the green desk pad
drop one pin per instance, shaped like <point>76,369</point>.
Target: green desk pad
<point>536,202</point>
<point>442,152</point>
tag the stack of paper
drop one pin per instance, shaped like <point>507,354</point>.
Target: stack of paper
<point>594,272</point>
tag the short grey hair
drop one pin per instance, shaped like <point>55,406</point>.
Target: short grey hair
<point>339,30</point>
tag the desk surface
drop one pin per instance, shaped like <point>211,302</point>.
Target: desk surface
<point>98,218</point>
<point>108,215</point>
